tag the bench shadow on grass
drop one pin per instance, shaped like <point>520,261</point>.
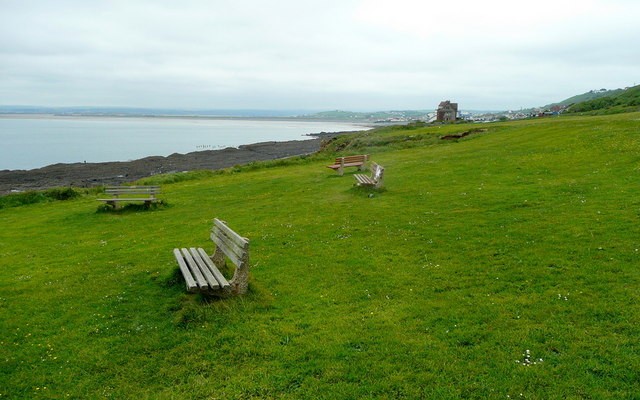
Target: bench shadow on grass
<point>133,207</point>
<point>346,174</point>
<point>193,309</point>
<point>367,191</point>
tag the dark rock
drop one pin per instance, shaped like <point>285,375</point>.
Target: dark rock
<point>119,172</point>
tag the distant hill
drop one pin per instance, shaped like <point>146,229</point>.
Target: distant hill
<point>590,95</point>
<point>376,116</point>
<point>611,102</point>
<point>149,112</point>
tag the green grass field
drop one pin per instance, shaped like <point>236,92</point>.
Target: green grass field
<point>502,265</point>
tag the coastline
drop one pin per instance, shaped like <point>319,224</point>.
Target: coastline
<point>85,175</point>
<point>176,117</point>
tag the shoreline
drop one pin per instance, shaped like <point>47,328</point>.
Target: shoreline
<point>86,175</point>
<point>364,123</point>
<point>33,141</point>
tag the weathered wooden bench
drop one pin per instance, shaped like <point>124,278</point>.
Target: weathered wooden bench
<point>349,161</point>
<point>201,272</point>
<point>146,194</point>
<point>376,178</point>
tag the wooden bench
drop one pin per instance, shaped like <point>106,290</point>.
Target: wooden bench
<point>201,272</point>
<point>376,178</point>
<point>349,161</point>
<point>146,194</point>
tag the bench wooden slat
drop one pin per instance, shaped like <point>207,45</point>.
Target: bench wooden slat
<point>129,199</point>
<point>241,241</point>
<point>234,245</point>
<point>345,165</point>
<point>363,179</point>
<point>204,268</point>
<point>349,161</point>
<point>195,271</point>
<point>147,194</point>
<point>376,178</point>
<point>139,187</point>
<point>192,286</point>
<point>222,281</point>
<point>131,190</point>
<point>222,245</point>
<point>228,246</point>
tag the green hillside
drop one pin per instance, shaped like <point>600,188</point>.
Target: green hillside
<point>627,100</point>
<point>500,265</point>
<point>590,95</point>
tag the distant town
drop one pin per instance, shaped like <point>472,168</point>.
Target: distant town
<point>445,112</point>
<point>400,117</point>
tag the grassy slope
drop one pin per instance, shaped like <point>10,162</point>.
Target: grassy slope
<point>523,238</point>
<point>623,101</point>
<point>591,95</point>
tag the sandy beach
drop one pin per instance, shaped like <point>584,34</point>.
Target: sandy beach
<point>85,175</point>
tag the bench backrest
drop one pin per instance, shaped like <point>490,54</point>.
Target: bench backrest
<point>377,172</point>
<point>352,159</point>
<point>230,245</point>
<point>118,190</point>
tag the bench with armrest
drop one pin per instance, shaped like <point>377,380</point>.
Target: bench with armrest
<point>146,194</point>
<point>202,272</point>
<point>375,179</point>
<point>349,161</point>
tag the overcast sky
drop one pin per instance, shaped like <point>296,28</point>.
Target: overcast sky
<point>314,54</point>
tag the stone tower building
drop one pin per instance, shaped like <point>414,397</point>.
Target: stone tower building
<point>447,111</point>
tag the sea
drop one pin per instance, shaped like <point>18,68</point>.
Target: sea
<point>29,142</point>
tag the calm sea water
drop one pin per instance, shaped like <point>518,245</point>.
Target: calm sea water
<point>33,142</point>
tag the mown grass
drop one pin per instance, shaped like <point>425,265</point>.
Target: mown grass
<point>502,264</point>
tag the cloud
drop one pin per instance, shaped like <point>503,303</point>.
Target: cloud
<point>313,54</point>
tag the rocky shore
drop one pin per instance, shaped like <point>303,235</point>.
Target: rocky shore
<point>115,173</point>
